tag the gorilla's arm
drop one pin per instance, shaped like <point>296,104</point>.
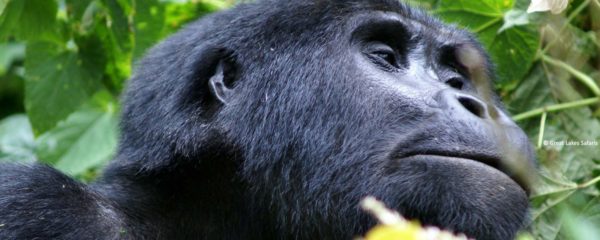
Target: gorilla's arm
<point>38,202</point>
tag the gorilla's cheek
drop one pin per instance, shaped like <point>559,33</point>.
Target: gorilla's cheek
<point>427,185</point>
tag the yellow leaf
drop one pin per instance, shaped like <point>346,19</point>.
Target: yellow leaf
<point>408,231</point>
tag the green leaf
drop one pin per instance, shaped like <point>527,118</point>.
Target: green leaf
<point>551,186</point>
<point>179,13</point>
<point>118,22</point>
<point>547,227</point>
<point>513,49</point>
<point>424,4</point>
<point>116,33</point>
<point>77,8</point>
<point>86,139</point>
<point>489,8</point>
<point>84,15</point>
<point>548,206</point>
<point>514,18</point>
<point>216,5</point>
<point>59,80</point>
<point>578,227</point>
<point>27,19</point>
<point>149,25</point>
<point>16,139</point>
<point>90,17</point>
<point>3,4</point>
<point>592,211</point>
<point>10,53</point>
<point>532,92</point>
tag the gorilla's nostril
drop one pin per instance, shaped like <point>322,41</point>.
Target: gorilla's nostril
<point>455,83</point>
<point>473,105</point>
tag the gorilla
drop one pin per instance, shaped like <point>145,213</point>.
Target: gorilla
<point>272,120</point>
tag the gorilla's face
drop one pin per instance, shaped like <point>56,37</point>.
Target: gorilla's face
<point>319,104</point>
<point>387,106</point>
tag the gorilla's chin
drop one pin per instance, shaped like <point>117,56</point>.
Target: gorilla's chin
<point>459,194</point>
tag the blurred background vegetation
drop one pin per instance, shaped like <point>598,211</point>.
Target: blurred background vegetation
<point>64,63</point>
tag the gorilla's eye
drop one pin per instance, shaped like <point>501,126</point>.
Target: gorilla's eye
<point>383,55</point>
<point>456,83</point>
<point>449,59</point>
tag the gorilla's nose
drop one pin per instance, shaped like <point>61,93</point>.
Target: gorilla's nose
<point>462,103</point>
<point>473,105</point>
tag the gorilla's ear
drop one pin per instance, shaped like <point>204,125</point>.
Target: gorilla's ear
<point>221,83</point>
<point>209,72</point>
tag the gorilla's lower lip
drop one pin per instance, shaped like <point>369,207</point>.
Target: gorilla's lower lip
<point>485,160</point>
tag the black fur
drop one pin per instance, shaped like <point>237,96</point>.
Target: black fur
<point>273,119</point>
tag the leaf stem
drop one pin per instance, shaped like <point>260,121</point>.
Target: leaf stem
<point>487,25</point>
<point>542,128</point>
<point>589,183</point>
<point>556,107</point>
<point>462,10</point>
<point>582,77</point>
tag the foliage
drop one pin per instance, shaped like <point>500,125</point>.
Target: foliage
<point>66,62</point>
<point>549,72</point>
<point>63,64</point>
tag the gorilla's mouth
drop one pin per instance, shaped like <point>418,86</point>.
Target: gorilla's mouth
<point>486,159</point>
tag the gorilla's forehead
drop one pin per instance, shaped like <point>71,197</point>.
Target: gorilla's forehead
<point>311,20</point>
<point>421,28</point>
<point>308,14</point>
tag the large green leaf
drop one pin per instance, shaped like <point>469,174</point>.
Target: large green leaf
<point>16,139</point>
<point>513,49</point>
<point>58,80</point>
<point>86,139</point>
<point>27,19</point>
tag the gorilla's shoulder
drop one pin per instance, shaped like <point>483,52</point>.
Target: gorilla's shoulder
<point>38,202</point>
